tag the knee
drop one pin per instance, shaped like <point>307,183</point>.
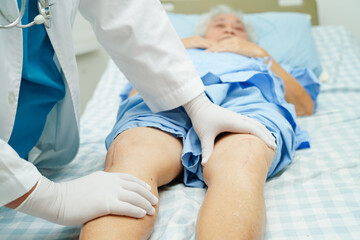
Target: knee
<point>145,151</point>
<point>237,156</point>
<point>130,149</point>
<point>116,153</point>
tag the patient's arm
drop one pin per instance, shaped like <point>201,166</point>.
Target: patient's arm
<point>197,42</point>
<point>294,91</point>
<point>238,45</point>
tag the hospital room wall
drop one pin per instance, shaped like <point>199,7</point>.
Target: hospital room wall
<point>340,12</point>
<point>92,59</point>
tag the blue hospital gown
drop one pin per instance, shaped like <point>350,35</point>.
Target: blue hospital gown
<point>241,84</point>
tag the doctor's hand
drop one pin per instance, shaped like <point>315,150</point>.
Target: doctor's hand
<point>83,199</point>
<point>209,120</point>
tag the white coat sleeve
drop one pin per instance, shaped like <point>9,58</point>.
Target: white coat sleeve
<point>17,176</point>
<point>142,42</point>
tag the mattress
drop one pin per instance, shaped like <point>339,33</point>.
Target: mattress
<point>316,197</point>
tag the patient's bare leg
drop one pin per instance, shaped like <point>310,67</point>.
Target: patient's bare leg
<point>234,206</point>
<point>149,154</point>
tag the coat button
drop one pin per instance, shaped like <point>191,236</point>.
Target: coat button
<point>12,99</point>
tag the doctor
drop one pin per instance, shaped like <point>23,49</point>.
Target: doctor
<point>39,102</point>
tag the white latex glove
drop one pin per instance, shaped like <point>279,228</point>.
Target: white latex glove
<point>80,200</point>
<point>209,120</point>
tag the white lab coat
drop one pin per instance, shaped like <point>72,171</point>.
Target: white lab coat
<point>141,41</point>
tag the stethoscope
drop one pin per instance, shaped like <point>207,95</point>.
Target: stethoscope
<point>43,18</point>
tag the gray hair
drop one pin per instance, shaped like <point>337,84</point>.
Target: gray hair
<point>205,19</point>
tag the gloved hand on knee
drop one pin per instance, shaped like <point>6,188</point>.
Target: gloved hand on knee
<point>100,193</point>
<point>209,120</point>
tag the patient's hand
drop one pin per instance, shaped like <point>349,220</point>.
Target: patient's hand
<point>133,92</point>
<point>240,46</point>
<point>197,42</point>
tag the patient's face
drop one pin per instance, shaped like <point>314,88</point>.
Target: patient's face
<point>225,26</point>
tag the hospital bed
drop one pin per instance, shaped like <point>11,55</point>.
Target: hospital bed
<point>316,197</point>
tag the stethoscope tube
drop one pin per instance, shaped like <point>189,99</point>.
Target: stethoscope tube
<point>43,18</point>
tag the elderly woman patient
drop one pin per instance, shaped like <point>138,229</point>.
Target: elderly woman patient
<point>238,75</point>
